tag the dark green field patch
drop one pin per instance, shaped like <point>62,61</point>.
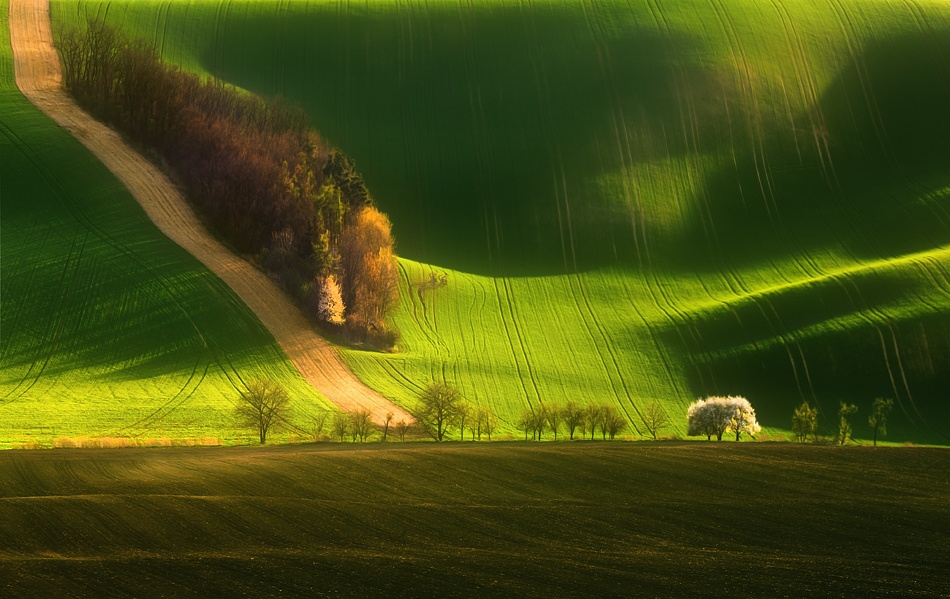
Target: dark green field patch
<point>416,520</point>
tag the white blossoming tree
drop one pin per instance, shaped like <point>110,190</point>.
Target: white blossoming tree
<point>742,419</point>
<point>716,415</point>
<point>330,301</point>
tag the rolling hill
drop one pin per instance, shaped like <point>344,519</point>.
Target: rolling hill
<point>108,328</point>
<point>631,201</point>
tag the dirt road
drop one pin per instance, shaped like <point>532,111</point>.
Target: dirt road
<point>38,76</point>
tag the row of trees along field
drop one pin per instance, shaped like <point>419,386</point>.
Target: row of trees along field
<point>805,421</point>
<point>266,183</point>
<point>442,409</point>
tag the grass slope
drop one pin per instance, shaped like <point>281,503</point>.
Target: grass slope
<point>633,200</point>
<point>108,328</point>
<point>552,520</point>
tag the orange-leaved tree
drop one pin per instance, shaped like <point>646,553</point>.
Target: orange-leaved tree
<point>370,271</point>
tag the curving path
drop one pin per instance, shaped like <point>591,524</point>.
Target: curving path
<point>38,75</point>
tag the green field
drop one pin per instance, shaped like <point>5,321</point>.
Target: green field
<point>108,328</point>
<point>633,200</point>
<point>490,520</point>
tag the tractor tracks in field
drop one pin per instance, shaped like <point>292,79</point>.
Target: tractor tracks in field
<point>38,76</point>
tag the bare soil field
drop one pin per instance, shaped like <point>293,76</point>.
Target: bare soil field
<point>489,520</point>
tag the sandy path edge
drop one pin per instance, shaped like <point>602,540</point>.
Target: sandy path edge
<point>37,71</point>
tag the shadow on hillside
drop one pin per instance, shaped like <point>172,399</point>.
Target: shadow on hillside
<point>856,192</point>
<point>131,326</point>
<point>871,181</point>
<point>481,134</point>
<point>911,365</point>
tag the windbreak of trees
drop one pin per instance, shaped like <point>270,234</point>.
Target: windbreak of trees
<point>262,179</point>
<point>572,418</point>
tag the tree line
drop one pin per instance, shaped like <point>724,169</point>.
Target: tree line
<point>441,409</point>
<point>805,421</point>
<point>264,181</point>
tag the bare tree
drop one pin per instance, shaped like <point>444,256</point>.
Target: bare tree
<point>438,409</point>
<point>341,425</point>
<point>604,417</point>
<point>591,418</point>
<point>464,414</point>
<point>613,421</point>
<point>402,427</point>
<point>555,417</point>
<point>475,423</point>
<point>540,421</point>
<point>483,422</point>
<point>573,417</point>
<point>878,418</point>
<point>361,424</point>
<point>261,404</point>
<point>318,423</point>
<point>526,423</point>
<point>489,424</point>
<point>384,428</point>
<point>654,418</point>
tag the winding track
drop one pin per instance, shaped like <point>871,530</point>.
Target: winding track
<point>38,75</point>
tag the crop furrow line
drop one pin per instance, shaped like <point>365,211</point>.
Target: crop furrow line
<point>509,295</point>
<point>69,287</point>
<point>848,31</point>
<point>608,344</point>
<point>925,26</point>
<point>511,345</point>
<point>673,381</point>
<point>54,316</point>
<point>400,377</point>
<point>412,300</point>
<point>166,408</point>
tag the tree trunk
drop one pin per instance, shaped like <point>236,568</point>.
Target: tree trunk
<point>875,436</point>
